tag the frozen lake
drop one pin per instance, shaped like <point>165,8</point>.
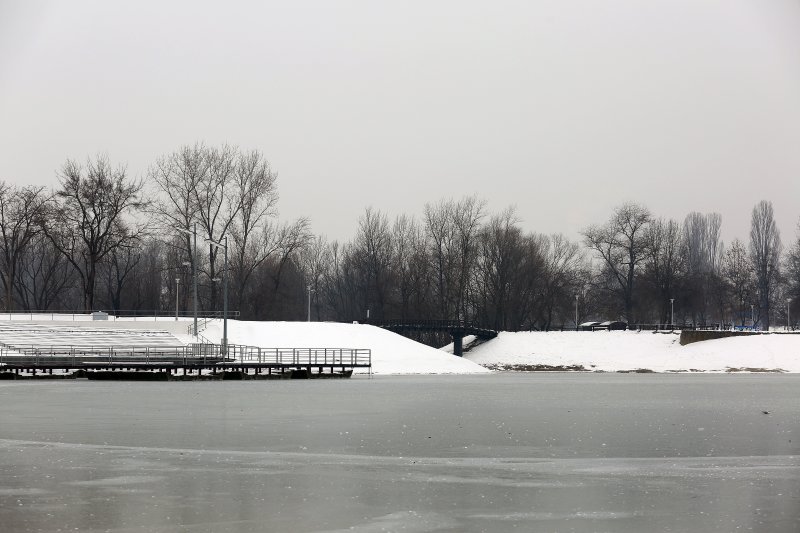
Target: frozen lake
<point>507,452</point>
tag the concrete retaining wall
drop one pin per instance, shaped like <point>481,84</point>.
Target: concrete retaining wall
<point>688,337</point>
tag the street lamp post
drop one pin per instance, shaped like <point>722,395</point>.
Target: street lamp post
<point>672,312</point>
<point>194,270</point>
<point>224,343</point>
<point>189,264</point>
<point>752,316</point>
<point>177,291</point>
<point>788,322</point>
<point>576,312</point>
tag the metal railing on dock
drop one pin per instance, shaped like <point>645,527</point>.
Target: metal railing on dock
<point>72,315</point>
<point>193,355</point>
<point>300,356</point>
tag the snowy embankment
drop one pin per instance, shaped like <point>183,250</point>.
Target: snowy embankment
<point>391,353</point>
<point>614,351</point>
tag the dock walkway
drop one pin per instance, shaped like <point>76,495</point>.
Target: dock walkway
<point>190,359</point>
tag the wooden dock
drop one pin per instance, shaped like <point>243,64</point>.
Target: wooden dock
<point>196,361</point>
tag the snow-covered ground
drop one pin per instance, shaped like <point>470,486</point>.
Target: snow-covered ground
<point>613,351</point>
<point>391,353</point>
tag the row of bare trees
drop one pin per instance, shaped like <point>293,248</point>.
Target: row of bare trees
<point>103,240</point>
<point>459,262</point>
<point>456,262</point>
<point>651,267</point>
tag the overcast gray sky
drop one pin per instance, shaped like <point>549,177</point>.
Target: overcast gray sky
<point>563,108</point>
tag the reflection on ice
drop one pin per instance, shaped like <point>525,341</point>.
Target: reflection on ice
<point>115,481</point>
<point>539,516</point>
<point>406,521</point>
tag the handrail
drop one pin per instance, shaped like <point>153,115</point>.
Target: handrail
<point>234,353</point>
<point>119,313</point>
<point>201,326</point>
<point>453,327</point>
<point>434,323</point>
<point>688,326</point>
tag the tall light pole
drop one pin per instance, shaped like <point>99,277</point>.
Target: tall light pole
<point>194,270</point>
<point>177,291</point>
<point>189,264</point>
<point>672,312</point>
<point>752,316</point>
<point>224,343</point>
<point>576,312</point>
<point>788,323</point>
<point>310,290</point>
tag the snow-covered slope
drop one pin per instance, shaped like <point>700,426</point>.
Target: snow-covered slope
<point>599,351</point>
<point>629,350</point>
<point>391,353</point>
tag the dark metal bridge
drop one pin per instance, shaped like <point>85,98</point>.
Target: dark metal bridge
<point>457,329</point>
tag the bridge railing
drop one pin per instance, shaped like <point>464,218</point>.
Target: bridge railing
<point>427,323</point>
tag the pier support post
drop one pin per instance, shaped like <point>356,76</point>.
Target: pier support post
<point>458,345</point>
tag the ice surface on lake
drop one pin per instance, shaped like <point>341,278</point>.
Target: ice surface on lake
<point>568,452</point>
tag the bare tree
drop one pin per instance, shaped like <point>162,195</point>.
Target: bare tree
<point>499,268</point>
<point>702,240</point>
<point>217,204</point>
<point>664,264</point>
<point>117,270</point>
<point>452,229</point>
<point>175,178</point>
<point>290,241</point>
<point>621,245</point>
<point>254,237</point>
<point>372,254</point>
<point>315,259</point>
<point>765,253</point>
<point>228,193</point>
<point>21,218</point>
<point>792,276</point>
<point>703,250</point>
<point>467,217</point>
<point>88,220</point>
<point>737,271</point>
<point>45,276</point>
<point>339,283</point>
<point>411,268</point>
<point>563,266</point>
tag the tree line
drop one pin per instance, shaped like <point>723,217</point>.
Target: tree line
<point>103,240</point>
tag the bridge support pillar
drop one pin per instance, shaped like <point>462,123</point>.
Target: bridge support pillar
<point>458,344</point>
